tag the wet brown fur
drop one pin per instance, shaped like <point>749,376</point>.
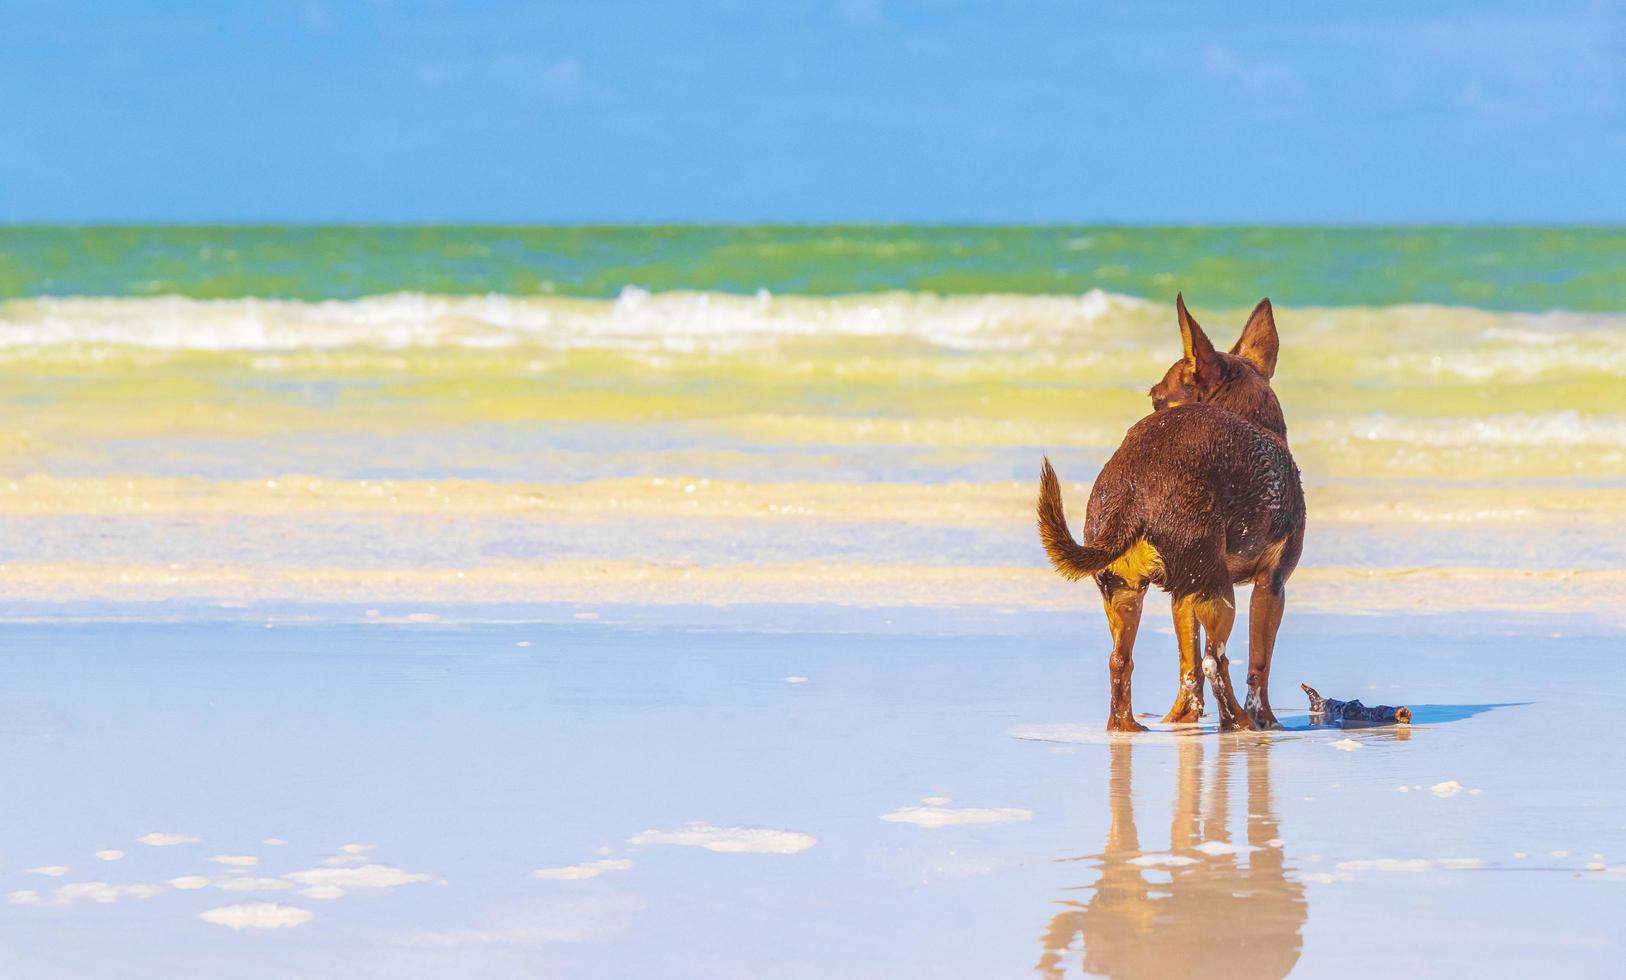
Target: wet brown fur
<point>1203,493</point>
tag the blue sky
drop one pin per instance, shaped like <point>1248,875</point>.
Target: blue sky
<point>812,110</point>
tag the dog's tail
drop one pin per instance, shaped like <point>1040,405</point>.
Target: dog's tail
<point>1073,560</point>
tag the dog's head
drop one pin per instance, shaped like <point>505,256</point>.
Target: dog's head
<point>1238,381</point>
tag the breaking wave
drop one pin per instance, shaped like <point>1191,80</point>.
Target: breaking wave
<point>1444,344</point>
<point>636,320</point>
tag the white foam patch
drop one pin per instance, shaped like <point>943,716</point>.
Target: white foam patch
<point>188,883</point>
<point>1346,744</point>
<point>1448,788</point>
<point>1219,847</point>
<point>236,860</point>
<point>577,872</point>
<point>166,840</point>
<point>731,840</point>
<point>1461,864</point>
<point>138,890</point>
<point>1162,860</point>
<point>326,893</point>
<point>1319,877</point>
<point>351,879</point>
<point>99,892</point>
<point>936,817</point>
<point>109,855</point>
<point>257,915</point>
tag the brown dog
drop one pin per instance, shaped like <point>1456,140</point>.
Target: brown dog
<point>1202,493</point>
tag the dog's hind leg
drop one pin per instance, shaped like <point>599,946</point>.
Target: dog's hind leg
<point>1216,612</point>
<point>1188,703</point>
<point>1123,605</point>
<point>1264,618</point>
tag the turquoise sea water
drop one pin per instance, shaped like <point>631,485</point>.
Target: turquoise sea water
<point>1575,268</point>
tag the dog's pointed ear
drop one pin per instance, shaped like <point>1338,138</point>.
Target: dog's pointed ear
<point>1259,344</point>
<point>1199,351</point>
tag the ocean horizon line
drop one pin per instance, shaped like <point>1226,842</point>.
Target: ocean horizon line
<point>7,224</point>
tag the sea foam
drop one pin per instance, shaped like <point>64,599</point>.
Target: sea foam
<point>636,320</point>
<point>1096,335</point>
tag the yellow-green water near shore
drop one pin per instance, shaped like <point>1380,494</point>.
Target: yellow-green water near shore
<point>1508,428</point>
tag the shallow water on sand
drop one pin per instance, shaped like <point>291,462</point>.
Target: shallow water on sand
<point>709,802</point>
<point>708,447</point>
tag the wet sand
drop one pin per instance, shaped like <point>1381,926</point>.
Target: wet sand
<point>144,541</point>
<point>603,800</point>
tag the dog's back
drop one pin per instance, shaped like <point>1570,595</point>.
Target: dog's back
<point>1210,493</point>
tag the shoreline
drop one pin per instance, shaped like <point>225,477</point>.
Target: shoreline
<point>1351,591</point>
<point>695,541</point>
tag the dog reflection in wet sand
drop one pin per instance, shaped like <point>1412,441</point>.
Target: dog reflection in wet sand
<point>1202,907</point>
